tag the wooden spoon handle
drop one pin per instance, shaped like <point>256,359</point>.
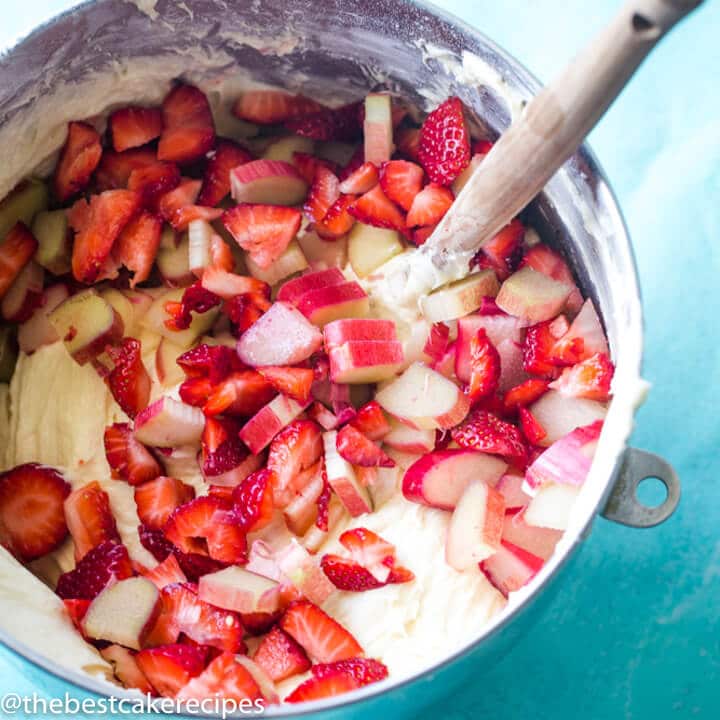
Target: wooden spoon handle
<point>552,127</point>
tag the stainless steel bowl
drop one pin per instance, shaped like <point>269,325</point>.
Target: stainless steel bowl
<point>336,49</point>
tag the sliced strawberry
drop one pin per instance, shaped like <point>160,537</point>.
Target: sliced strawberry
<point>307,164</point>
<point>324,639</point>
<point>184,612</point>
<point>485,432</point>
<point>322,520</point>
<point>401,181</point>
<point>223,678</point>
<point>213,361</point>
<point>138,244</point>
<point>195,299</point>
<point>371,421</point>
<point>207,525</point>
<point>188,131</point>
<point>538,351</point>
<point>97,225</point>
<point>317,688</point>
<point>532,429</point>
<point>324,191</point>
<point>259,623</point>
<point>589,379</point>
<point>78,159</point>
<point>240,394</point>
<point>407,142</point>
<point>268,107</point>
<point>154,181</point>
<point>482,147</point>
<point>363,670</point>
<point>32,519</point>
<point>360,180</point>
<point>195,391</point>
<point>89,518</point>
<point>184,216</point>
<point>76,609</point>
<point>358,449</point>
<point>165,573</point>
<point>280,656</point>
<point>548,262</point>
<point>170,667</point>
<point>108,561</point>
<point>253,500</point>
<point>484,367</point>
<point>374,208</point>
<point>366,547</point>
<point>128,458</point>
<point>172,203</point>
<point>129,381</point>
<point>244,310</point>
<point>16,251</point>
<point>420,235</point>
<point>131,127</point>
<point>430,205</point>
<point>295,382</point>
<point>114,170</point>
<point>337,221</point>
<point>502,252</point>
<point>216,180</point>
<point>157,499</point>
<point>295,448</point>
<point>526,393</point>
<point>444,149</point>
<point>343,124</point>
<point>264,231</point>
<point>347,575</point>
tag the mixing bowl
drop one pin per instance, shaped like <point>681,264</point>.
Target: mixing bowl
<point>117,51</point>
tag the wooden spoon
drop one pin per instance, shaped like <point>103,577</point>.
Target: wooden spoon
<point>549,131</point>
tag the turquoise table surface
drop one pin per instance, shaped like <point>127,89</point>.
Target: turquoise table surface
<point>635,633</point>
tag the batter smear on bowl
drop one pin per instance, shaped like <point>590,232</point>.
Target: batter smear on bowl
<point>239,472</point>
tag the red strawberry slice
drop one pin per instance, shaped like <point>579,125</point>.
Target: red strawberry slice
<point>295,382</point>
<point>154,181</point>
<point>430,205</point>
<point>184,612</point>
<point>16,251</point>
<point>78,159</point>
<point>138,244</point>
<point>323,502</point>
<point>32,519</point>
<point>215,433</point>
<point>170,667</point>
<point>485,432</point>
<point>482,147</point>
<point>363,670</point>
<point>366,547</point>
<point>280,656</point>
<point>360,180</point>
<point>216,180</point>
<point>166,573</point>
<point>89,518</point>
<point>538,350</point>
<point>114,170</point>
<point>371,421</point>
<point>317,688</point>
<point>337,221</point>
<point>195,391</point>
<point>158,499</point>
<point>589,379</point>
<point>131,127</point>
<point>532,429</point>
<point>253,500</point>
<point>264,231</point>
<point>240,394</point>
<point>502,252</point>
<point>324,639</point>
<point>324,191</point>
<point>76,609</point>
<point>374,208</point>
<point>188,131</point>
<point>444,149</point>
<point>108,561</point>
<point>307,164</point>
<point>401,181</point>
<point>268,107</point>
<point>224,678</point>
<point>484,367</point>
<point>129,381</point>
<point>97,225</point>
<point>360,450</point>
<point>546,261</point>
<point>229,285</point>
<point>421,234</point>
<point>259,623</point>
<point>525,394</point>
<point>195,299</point>
<point>347,575</point>
<point>172,203</point>
<point>212,361</point>
<point>128,458</point>
<point>407,142</point>
<point>343,124</point>
<point>208,526</point>
<point>295,448</point>
<point>184,216</point>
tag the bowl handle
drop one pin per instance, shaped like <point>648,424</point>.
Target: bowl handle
<point>623,505</point>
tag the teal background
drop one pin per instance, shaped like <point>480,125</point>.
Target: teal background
<point>634,631</point>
